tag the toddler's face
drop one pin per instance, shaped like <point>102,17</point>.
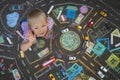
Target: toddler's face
<point>40,29</point>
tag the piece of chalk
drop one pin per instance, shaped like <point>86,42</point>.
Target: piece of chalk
<point>111,37</point>
<point>21,35</point>
<point>30,49</point>
<point>118,44</point>
<point>50,9</point>
<point>63,18</point>
<point>10,42</point>
<point>60,12</point>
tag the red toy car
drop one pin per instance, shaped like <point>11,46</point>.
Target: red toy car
<point>90,24</point>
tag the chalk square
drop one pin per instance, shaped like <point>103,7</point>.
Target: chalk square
<point>71,14</point>
<point>113,61</point>
<point>99,49</point>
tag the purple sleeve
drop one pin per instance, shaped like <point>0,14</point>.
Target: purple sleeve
<point>50,23</point>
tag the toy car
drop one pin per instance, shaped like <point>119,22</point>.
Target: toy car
<point>79,18</point>
<point>52,76</point>
<point>58,75</point>
<point>86,38</point>
<point>79,27</point>
<point>63,73</point>
<point>101,75</point>
<point>104,14</point>
<point>91,78</point>
<point>90,24</point>
<point>103,68</point>
<point>22,55</point>
<point>65,30</point>
<point>16,74</point>
<point>72,58</point>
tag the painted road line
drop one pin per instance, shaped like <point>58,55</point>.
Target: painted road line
<point>92,64</point>
<point>83,36</point>
<point>60,60</point>
<point>63,22</point>
<point>18,46</point>
<point>98,63</point>
<point>78,52</point>
<point>107,66</point>
<point>90,19</point>
<point>51,43</point>
<point>54,13</point>
<point>93,54</point>
<point>98,20</point>
<point>19,56</point>
<point>95,57</point>
<point>95,13</point>
<point>84,58</point>
<point>40,70</point>
<point>30,78</point>
<point>23,63</point>
<point>88,54</point>
<point>37,66</point>
<point>84,44</point>
<point>28,71</point>
<point>88,31</point>
<point>58,49</point>
<point>84,26</point>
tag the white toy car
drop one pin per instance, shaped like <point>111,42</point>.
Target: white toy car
<point>91,78</point>
<point>101,74</point>
<point>103,68</point>
<point>72,58</point>
<point>65,30</point>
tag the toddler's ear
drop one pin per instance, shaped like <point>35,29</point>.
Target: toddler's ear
<point>29,27</point>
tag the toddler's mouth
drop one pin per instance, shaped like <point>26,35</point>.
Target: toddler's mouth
<point>41,33</point>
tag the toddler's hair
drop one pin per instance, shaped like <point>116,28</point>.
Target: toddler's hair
<point>36,15</point>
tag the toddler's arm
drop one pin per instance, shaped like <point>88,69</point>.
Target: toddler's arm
<point>25,45</point>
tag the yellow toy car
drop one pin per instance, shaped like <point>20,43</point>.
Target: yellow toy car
<point>79,27</point>
<point>104,14</point>
<point>86,38</point>
<point>22,55</point>
<point>52,76</point>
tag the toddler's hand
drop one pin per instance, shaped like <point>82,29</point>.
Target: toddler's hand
<point>31,37</point>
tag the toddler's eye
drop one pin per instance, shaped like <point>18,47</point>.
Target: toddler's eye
<point>43,26</point>
<point>35,28</point>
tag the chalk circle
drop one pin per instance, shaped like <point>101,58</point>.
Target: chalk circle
<point>40,44</point>
<point>70,40</point>
<point>84,9</point>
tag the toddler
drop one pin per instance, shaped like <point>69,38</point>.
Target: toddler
<point>38,26</point>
